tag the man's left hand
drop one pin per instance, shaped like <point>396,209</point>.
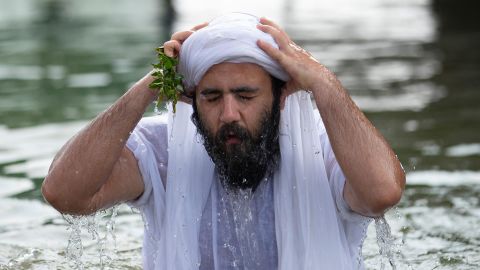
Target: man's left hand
<point>305,71</point>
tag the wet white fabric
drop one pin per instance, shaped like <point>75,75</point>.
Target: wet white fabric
<point>229,38</point>
<point>306,221</point>
<point>149,143</point>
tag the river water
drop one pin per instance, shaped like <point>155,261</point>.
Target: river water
<point>413,67</point>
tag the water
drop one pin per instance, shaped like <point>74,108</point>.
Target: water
<point>412,66</point>
<point>386,242</point>
<point>105,243</point>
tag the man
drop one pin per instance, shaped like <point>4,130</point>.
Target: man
<point>253,182</point>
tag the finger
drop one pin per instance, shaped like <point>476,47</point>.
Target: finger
<point>181,36</point>
<point>171,48</point>
<point>264,20</point>
<point>273,52</point>
<point>199,26</point>
<point>280,37</point>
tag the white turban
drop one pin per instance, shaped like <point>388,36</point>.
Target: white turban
<point>229,38</point>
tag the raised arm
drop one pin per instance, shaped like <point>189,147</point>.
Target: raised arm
<point>94,169</point>
<point>374,177</point>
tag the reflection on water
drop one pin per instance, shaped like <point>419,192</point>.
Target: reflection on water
<point>413,66</point>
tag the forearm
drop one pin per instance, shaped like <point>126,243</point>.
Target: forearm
<point>86,162</point>
<point>375,179</point>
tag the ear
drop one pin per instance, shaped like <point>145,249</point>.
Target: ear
<point>187,96</point>
<point>186,99</point>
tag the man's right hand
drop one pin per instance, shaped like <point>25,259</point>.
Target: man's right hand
<point>172,47</point>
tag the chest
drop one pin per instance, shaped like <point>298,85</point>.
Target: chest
<point>237,230</point>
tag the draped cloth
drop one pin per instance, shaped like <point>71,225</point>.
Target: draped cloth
<point>308,230</point>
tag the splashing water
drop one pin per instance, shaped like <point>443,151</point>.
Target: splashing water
<point>386,242</point>
<point>93,224</point>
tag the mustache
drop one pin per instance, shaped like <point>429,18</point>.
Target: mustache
<point>232,129</point>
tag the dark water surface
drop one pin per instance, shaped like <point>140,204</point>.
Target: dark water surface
<point>413,67</point>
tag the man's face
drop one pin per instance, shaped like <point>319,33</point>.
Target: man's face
<point>233,113</point>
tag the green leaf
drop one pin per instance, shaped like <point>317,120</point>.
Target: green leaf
<point>167,83</point>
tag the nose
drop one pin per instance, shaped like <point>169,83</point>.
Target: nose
<point>230,112</point>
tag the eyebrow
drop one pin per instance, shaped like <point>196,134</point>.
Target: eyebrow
<point>209,91</point>
<point>244,89</point>
<point>241,89</point>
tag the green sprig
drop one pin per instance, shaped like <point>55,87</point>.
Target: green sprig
<point>167,84</point>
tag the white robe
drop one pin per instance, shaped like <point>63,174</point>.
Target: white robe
<point>314,227</point>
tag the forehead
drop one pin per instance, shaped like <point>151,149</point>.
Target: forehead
<point>232,74</point>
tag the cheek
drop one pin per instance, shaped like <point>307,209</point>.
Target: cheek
<point>255,120</point>
<point>206,116</point>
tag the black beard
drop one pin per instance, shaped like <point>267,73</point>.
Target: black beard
<point>243,165</point>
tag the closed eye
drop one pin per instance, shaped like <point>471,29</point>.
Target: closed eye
<point>212,98</point>
<point>242,97</point>
<point>245,93</point>
<point>211,95</point>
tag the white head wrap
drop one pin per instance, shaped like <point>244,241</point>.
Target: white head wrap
<point>307,227</point>
<point>230,38</point>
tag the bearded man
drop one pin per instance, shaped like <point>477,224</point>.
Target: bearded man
<point>249,176</point>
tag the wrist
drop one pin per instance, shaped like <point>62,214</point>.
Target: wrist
<point>326,86</point>
<point>144,84</point>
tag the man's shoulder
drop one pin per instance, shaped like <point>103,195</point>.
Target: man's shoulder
<point>152,125</point>
<point>151,130</point>
<point>153,121</point>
